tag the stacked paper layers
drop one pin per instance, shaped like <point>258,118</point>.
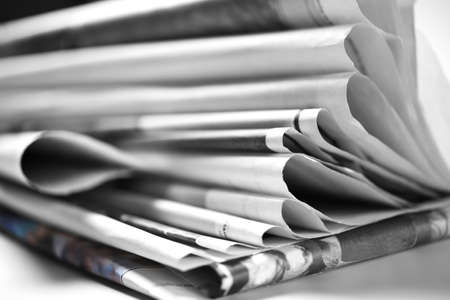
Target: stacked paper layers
<point>197,146</point>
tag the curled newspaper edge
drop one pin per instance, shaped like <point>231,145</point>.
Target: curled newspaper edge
<point>282,140</point>
<point>57,162</point>
<point>260,56</point>
<point>292,214</point>
<point>346,97</point>
<point>286,212</point>
<point>296,53</point>
<point>294,175</point>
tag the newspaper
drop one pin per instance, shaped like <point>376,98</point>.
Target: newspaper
<point>238,140</point>
<point>309,52</point>
<point>57,162</point>
<point>295,175</point>
<point>315,51</point>
<point>289,213</point>
<point>330,92</point>
<point>316,256</point>
<point>281,140</point>
<point>233,249</point>
<point>407,32</point>
<point>261,157</point>
<point>293,213</point>
<point>299,52</point>
<point>111,124</point>
<point>191,218</point>
<point>142,275</point>
<point>293,261</point>
<point>112,22</point>
<point>99,228</point>
<point>195,131</point>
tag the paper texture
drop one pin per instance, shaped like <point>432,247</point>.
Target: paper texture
<point>433,94</point>
<point>313,220</point>
<point>233,249</point>
<point>58,162</point>
<point>278,175</point>
<point>112,22</point>
<point>192,218</point>
<point>99,228</point>
<point>284,212</point>
<point>174,132</point>
<point>296,53</point>
<point>219,146</point>
<point>144,276</point>
<point>302,259</point>
<point>315,256</point>
<point>283,140</point>
<point>343,95</point>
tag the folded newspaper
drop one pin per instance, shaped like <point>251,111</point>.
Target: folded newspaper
<point>199,148</point>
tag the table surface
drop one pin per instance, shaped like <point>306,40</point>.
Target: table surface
<point>416,274</point>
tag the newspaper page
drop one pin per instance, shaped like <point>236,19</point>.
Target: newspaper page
<point>58,162</point>
<point>189,217</point>
<point>114,22</point>
<point>278,175</point>
<point>330,92</point>
<point>99,228</point>
<point>145,276</point>
<point>232,248</point>
<point>278,140</point>
<point>316,256</point>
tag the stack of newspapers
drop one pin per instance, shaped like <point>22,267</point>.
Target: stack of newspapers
<point>200,148</point>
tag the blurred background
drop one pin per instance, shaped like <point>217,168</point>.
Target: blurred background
<point>433,19</point>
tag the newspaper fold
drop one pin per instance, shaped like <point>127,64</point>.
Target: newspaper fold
<point>279,140</point>
<point>346,96</point>
<point>58,162</point>
<point>282,211</point>
<point>295,175</point>
<point>289,213</point>
<point>244,130</point>
<point>260,56</point>
<point>291,53</point>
